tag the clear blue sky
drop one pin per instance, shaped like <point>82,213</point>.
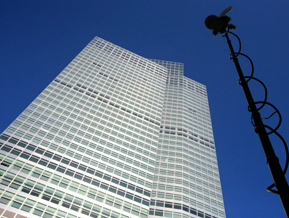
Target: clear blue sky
<point>39,38</point>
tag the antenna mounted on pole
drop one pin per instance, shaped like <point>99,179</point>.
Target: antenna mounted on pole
<point>220,23</point>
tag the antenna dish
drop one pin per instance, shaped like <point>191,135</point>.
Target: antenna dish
<point>220,23</point>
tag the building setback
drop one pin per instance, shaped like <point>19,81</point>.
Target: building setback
<point>113,135</point>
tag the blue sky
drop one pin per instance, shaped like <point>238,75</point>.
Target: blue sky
<point>39,38</point>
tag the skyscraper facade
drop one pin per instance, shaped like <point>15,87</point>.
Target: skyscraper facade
<point>113,135</point>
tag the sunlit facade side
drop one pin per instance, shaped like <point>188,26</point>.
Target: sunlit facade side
<point>113,135</point>
<point>186,171</point>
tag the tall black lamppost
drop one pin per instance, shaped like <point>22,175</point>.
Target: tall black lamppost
<point>221,25</point>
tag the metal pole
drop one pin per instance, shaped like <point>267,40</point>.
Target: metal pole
<point>272,160</point>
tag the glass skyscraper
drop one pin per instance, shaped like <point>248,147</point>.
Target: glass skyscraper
<point>113,135</point>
